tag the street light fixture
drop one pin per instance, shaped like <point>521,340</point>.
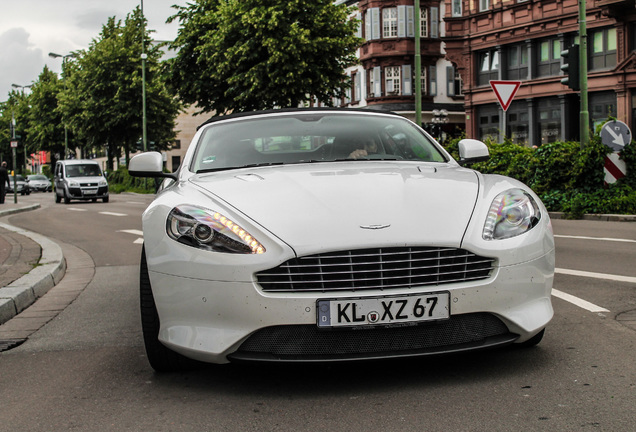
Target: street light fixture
<point>64,57</point>
<point>21,86</point>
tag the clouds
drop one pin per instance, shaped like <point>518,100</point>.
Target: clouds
<point>30,29</point>
<point>20,60</point>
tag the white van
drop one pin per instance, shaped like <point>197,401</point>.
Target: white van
<point>79,179</point>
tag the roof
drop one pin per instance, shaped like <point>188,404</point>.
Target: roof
<point>292,110</point>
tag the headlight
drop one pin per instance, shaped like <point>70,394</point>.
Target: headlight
<point>73,183</point>
<point>209,230</point>
<point>103,183</point>
<point>512,213</point>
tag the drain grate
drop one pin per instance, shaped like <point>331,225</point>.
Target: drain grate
<point>7,344</point>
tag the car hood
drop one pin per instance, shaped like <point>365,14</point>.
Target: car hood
<point>364,204</point>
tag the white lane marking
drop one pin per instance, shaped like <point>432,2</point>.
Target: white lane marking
<point>139,240</point>
<point>595,238</point>
<point>76,209</point>
<point>616,278</point>
<point>113,214</point>
<point>135,232</point>
<point>578,302</point>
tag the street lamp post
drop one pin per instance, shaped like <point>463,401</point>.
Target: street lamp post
<point>144,56</point>
<point>21,87</point>
<point>64,57</point>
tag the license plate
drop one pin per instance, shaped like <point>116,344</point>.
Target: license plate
<point>90,192</point>
<point>383,310</point>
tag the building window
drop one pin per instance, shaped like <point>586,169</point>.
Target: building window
<point>488,68</point>
<point>389,22</point>
<point>488,122</point>
<point>456,8</point>
<point>392,79</point>
<point>549,113</point>
<point>549,57</point>
<point>424,23</point>
<point>517,62</point>
<point>432,81</point>
<point>603,49</point>
<point>602,106</point>
<point>518,122</point>
<point>176,145</point>
<point>484,5</point>
<point>453,82</point>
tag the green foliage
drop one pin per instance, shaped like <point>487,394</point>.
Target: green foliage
<point>567,178</point>
<point>242,55</point>
<point>102,96</point>
<point>120,181</point>
<point>509,159</point>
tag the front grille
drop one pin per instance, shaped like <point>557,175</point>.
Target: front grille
<point>308,343</point>
<point>383,268</point>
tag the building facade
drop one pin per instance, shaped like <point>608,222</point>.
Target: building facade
<point>523,40</point>
<point>385,76</point>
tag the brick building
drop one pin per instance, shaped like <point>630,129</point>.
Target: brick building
<point>522,40</point>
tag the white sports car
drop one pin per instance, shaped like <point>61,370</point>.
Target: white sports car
<point>336,234</point>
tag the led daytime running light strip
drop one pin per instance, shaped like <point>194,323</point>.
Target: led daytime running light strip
<point>240,232</point>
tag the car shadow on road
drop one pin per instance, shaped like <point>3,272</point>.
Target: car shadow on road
<point>360,377</point>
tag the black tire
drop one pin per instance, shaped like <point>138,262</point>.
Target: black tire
<point>58,199</point>
<point>161,358</point>
<point>67,199</point>
<point>533,341</point>
<point>105,199</point>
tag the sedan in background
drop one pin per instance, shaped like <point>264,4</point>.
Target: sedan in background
<point>39,183</point>
<point>314,235</point>
<point>22,186</point>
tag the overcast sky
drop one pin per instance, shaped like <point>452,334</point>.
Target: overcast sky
<point>31,29</point>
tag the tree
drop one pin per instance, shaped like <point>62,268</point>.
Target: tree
<point>45,124</point>
<point>102,99</point>
<point>15,108</point>
<point>241,55</point>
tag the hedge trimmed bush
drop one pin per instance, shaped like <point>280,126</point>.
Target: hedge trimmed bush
<point>120,181</point>
<point>566,178</point>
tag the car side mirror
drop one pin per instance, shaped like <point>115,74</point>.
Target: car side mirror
<point>471,151</point>
<point>149,164</point>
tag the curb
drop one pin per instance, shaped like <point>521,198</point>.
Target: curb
<point>596,217</point>
<point>23,292</point>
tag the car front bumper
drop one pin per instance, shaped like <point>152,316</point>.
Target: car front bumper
<point>210,319</point>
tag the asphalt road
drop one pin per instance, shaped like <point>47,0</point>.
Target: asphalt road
<point>86,370</point>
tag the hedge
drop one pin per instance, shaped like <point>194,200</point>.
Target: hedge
<point>566,178</point>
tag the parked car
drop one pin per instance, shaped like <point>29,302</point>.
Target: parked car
<point>79,179</point>
<point>332,234</point>
<point>21,184</point>
<point>40,183</point>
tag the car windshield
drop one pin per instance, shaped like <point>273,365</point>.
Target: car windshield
<point>17,178</point>
<point>37,177</point>
<point>300,137</point>
<point>83,170</point>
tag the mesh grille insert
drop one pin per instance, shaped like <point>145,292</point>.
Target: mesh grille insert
<point>382,268</point>
<point>302,342</point>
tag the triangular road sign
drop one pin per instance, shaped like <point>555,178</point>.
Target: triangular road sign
<point>505,91</point>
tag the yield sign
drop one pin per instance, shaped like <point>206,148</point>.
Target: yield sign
<point>505,91</point>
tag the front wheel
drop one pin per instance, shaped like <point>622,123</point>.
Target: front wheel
<point>58,199</point>
<point>161,358</point>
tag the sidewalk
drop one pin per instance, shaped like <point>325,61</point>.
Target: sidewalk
<point>31,263</point>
